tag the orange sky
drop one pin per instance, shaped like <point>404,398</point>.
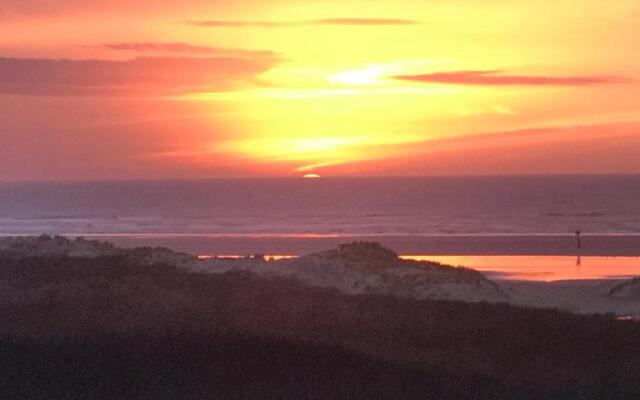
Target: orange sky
<point>192,88</point>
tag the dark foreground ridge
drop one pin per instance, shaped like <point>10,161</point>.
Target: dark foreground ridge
<point>117,327</point>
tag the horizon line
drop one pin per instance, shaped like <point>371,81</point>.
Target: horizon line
<point>331,177</point>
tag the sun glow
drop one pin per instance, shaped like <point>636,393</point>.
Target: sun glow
<point>319,145</point>
<point>358,77</point>
<point>328,87</point>
<point>303,127</point>
<point>295,148</point>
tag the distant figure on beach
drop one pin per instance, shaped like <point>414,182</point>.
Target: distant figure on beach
<point>578,239</point>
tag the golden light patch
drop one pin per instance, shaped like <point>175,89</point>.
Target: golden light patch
<point>358,77</point>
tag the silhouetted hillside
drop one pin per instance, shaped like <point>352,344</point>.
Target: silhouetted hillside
<point>193,366</point>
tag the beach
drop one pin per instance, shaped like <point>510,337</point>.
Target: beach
<point>449,245</point>
<point>546,271</point>
<point>585,285</point>
<point>85,316</point>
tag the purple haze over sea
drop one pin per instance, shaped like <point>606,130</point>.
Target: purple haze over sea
<point>340,206</point>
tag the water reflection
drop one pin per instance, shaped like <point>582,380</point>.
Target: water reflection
<point>530,268</point>
<point>544,268</point>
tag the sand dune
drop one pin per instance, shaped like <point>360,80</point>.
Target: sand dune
<point>369,268</point>
<point>366,269</point>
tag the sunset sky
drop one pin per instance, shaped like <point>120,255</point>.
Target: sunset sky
<point>121,89</point>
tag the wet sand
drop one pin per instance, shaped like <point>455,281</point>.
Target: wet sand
<point>545,268</point>
<point>582,297</point>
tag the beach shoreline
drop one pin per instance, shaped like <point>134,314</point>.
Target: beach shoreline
<point>450,245</point>
<point>369,267</point>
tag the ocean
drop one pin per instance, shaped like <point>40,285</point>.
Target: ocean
<point>406,206</point>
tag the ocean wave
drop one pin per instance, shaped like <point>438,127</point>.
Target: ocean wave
<point>578,214</point>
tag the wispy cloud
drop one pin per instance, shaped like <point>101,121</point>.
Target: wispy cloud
<point>185,48</point>
<point>581,149</point>
<point>143,76</point>
<point>499,78</point>
<point>287,24</point>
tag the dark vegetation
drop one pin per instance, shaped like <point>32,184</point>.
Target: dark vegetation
<point>374,257</point>
<point>369,252</point>
<point>111,328</point>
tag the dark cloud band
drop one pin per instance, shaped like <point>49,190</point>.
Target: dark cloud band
<point>137,77</point>
<point>497,78</point>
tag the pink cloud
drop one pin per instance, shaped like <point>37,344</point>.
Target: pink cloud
<point>144,76</point>
<point>185,48</point>
<point>29,8</point>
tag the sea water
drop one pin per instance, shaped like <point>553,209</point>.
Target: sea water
<point>542,205</point>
